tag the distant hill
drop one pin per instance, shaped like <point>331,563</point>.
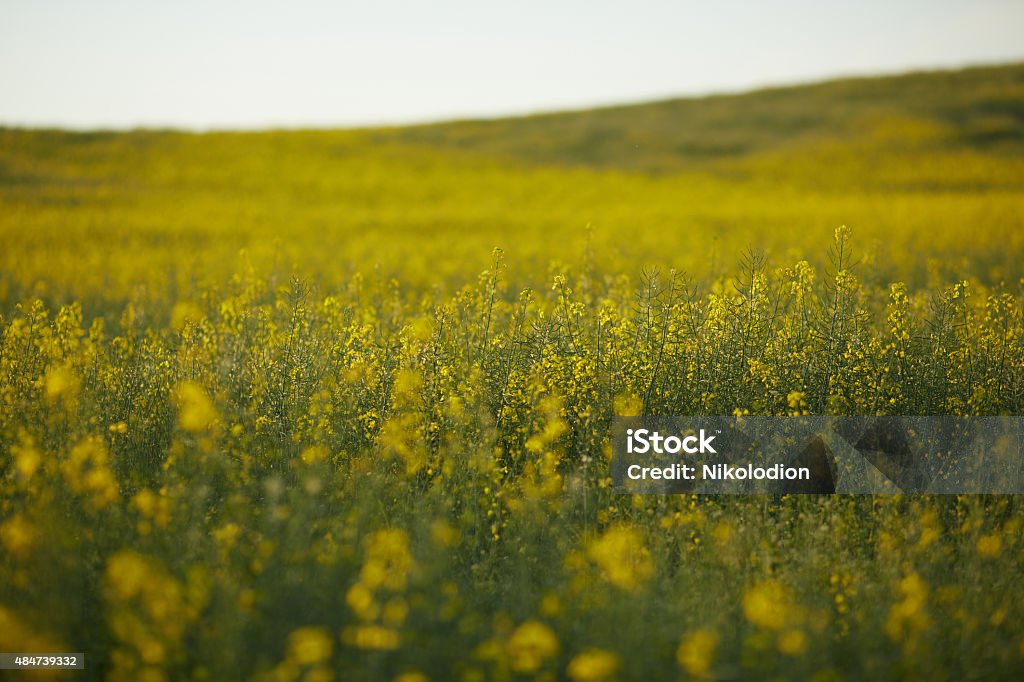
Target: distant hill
<point>927,169</point>
<point>978,108</point>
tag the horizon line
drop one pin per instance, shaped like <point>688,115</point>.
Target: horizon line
<point>526,113</point>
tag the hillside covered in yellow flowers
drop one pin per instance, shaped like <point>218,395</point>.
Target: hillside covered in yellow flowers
<point>335,404</point>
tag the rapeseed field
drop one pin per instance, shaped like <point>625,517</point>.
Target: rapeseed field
<point>335,405</point>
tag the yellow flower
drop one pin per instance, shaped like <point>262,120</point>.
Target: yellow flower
<point>86,472</point>
<point>420,329</point>
<point>395,611</point>
<point>401,437</point>
<point>593,665</point>
<point>408,384</point>
<point>550,605</point>
<point>315,454</point>
<point>622,557</point>
<point>149,610</point>
<point>792,642</point>
<point>145,501</point>
<point>196,412</point>
<point>628,405</point>
<point>309,645</point>
<point>989,546</point>
<point>766,605</point>
<point>388,561</point>
<point>697,652</point>
<point>797,402</point>
<point>723,534</point>
<point>907,617</point>
<point>15,635</point>
<point>17,535</point>
<point>26,458</point>
<point>530,645</point>
<point>183,313</point>
<point>127,573</point>
<point>371,637</point>
<point>60,381</point>
<point>361,600</point>
<point>227,534</point>
<point>444,534</point>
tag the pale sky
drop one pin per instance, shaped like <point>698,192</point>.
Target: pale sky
<point>209,64</point>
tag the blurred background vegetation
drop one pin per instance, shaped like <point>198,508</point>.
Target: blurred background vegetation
<point>927,168</point>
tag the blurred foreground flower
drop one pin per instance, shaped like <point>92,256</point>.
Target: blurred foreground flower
<point>196,412</point>
<point>622,557</point>
<point>593,665</point>
<point>530,645</point>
